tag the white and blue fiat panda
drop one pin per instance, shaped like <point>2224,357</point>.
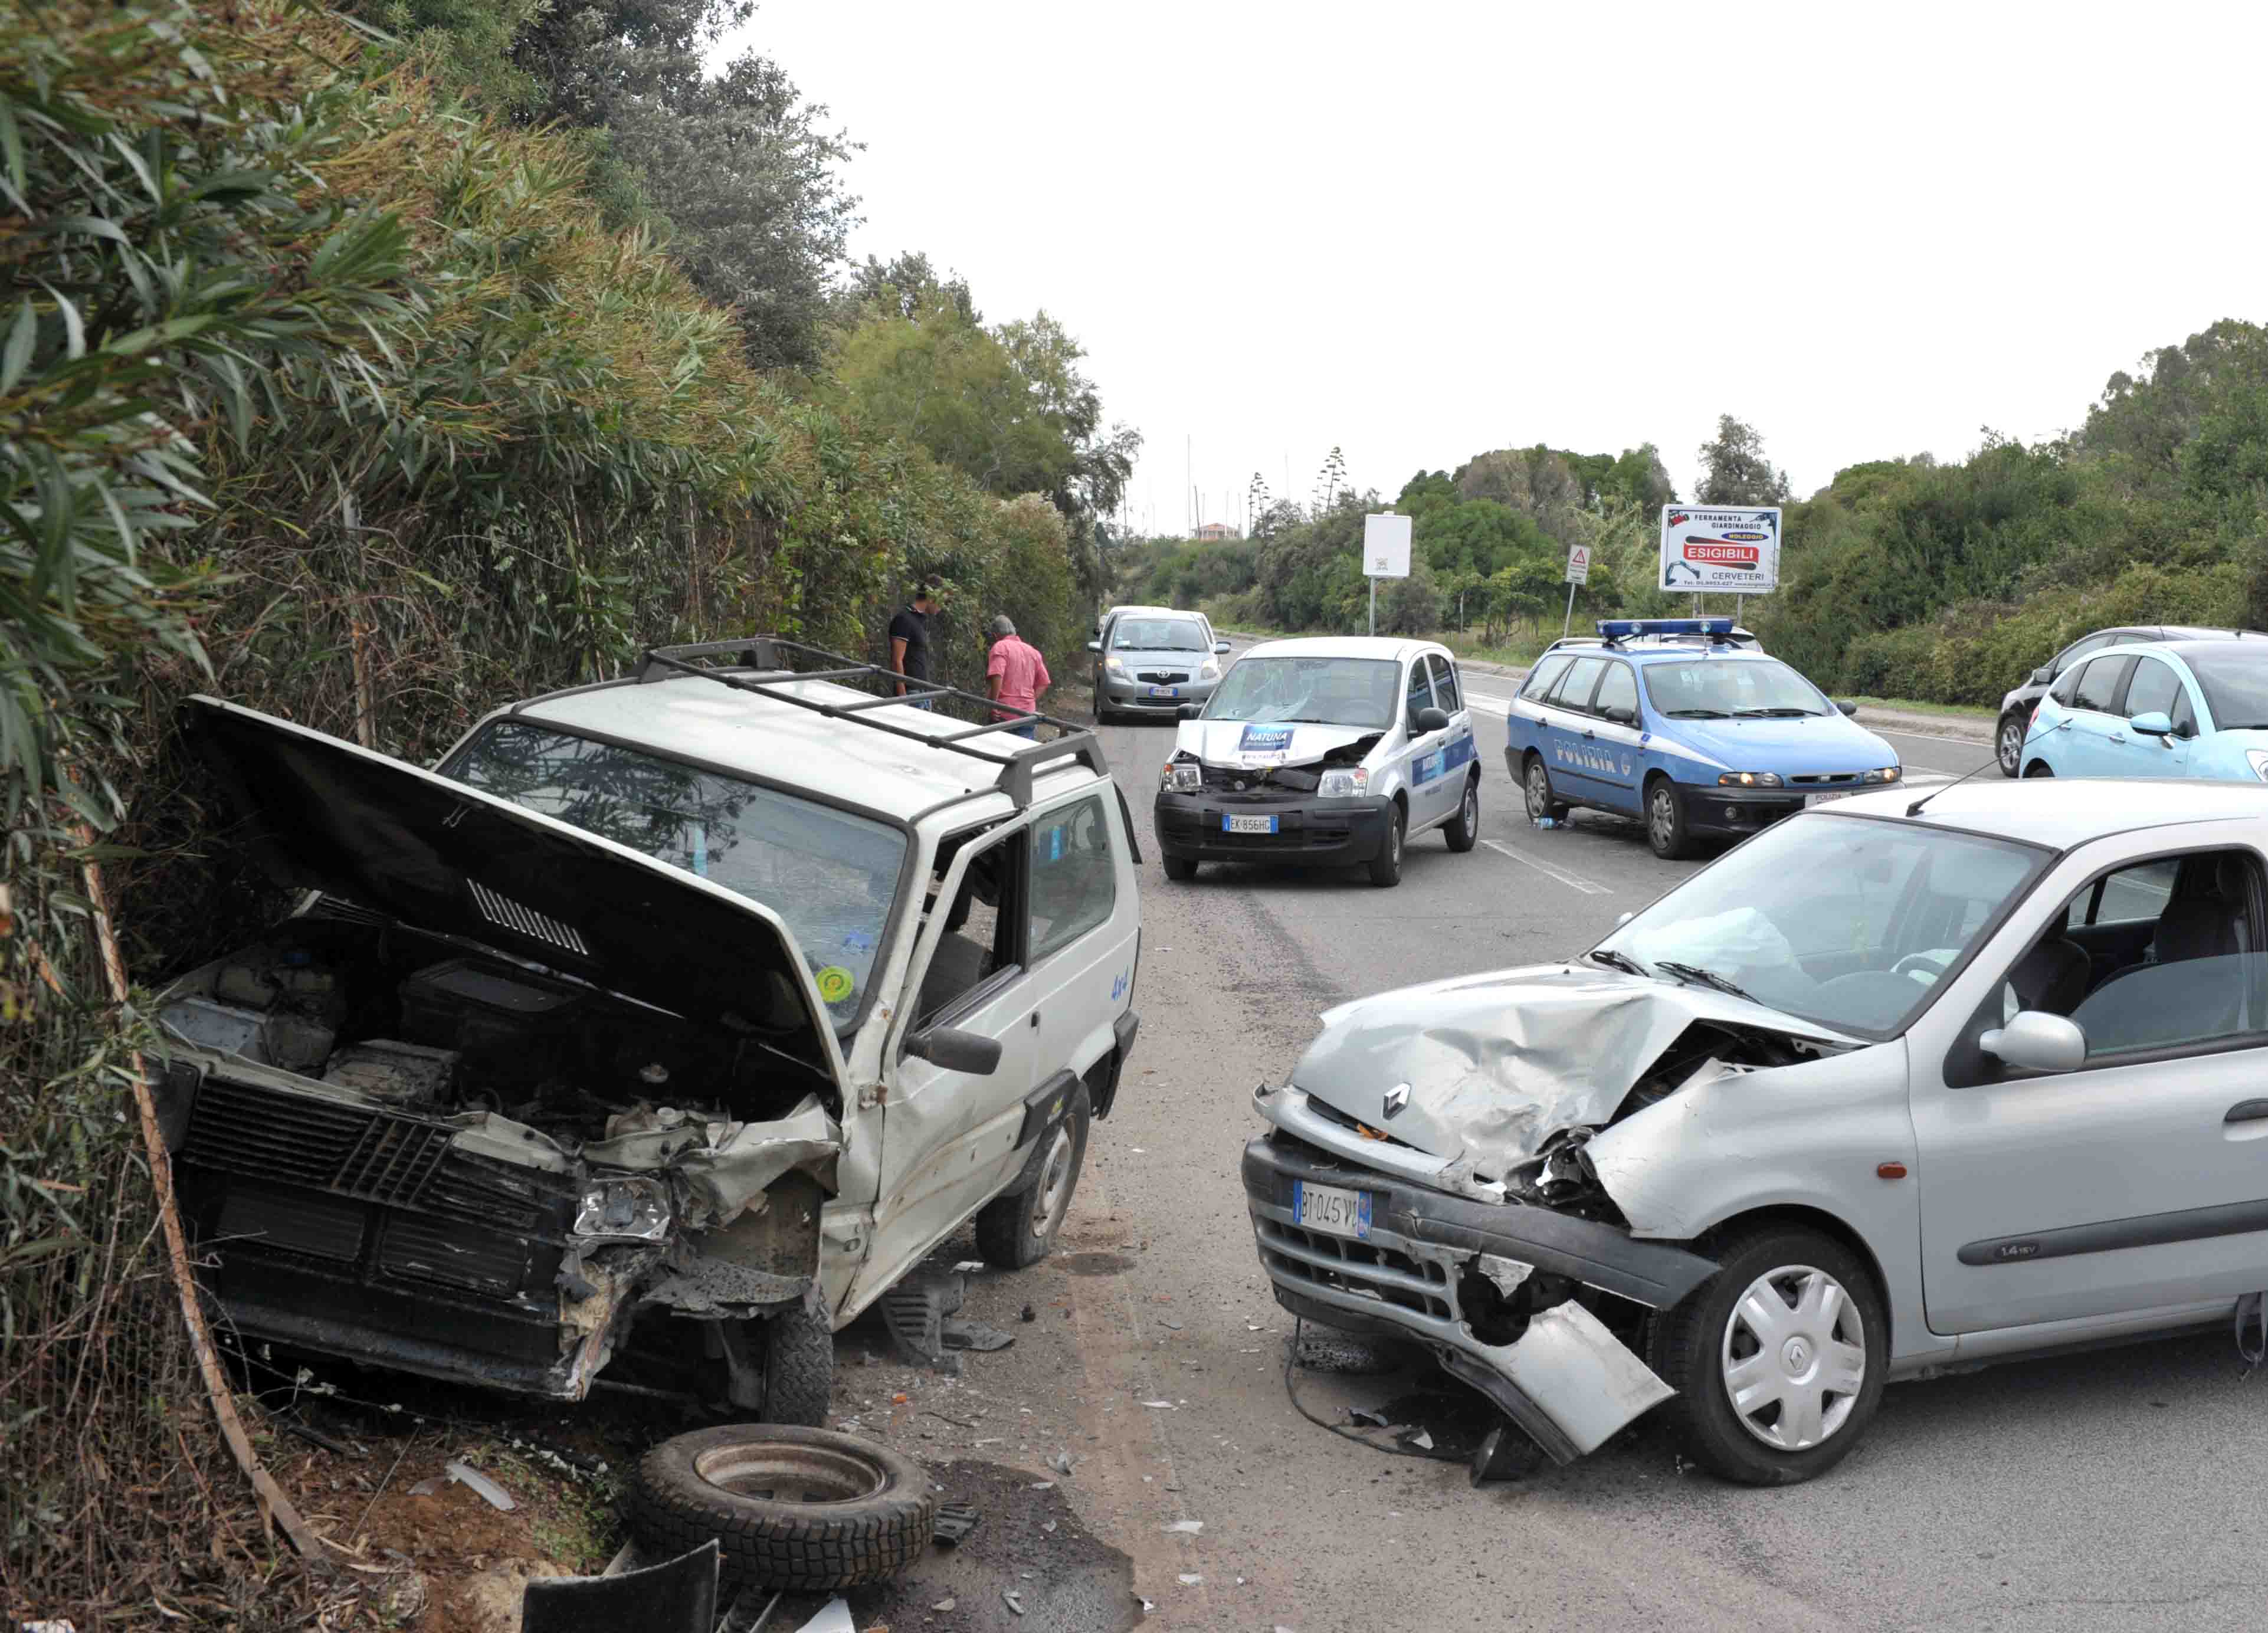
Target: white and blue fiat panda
<point>1324,751</point>
<point>1669,720</point>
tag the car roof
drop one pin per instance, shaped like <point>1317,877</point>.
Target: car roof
<point>1715,654</point>
<point>693,719</point>
<point>2207,644</point>
<point>2063,811</point>
<point>1393,646</point>
<point>1156,611</point>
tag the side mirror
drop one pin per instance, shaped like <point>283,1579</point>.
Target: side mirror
<point>1188,712</point>
<point>1221,649</point>
<point>2157,723</point>
<point>1847,708</point>
<point>1432,720</point>
<point>1094,646</point>
<point>2042,677</point>
<point>2037,1042</point>
<point>956,1050</point>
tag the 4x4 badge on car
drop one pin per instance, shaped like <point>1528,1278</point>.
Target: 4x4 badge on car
<point>1396,1098</point>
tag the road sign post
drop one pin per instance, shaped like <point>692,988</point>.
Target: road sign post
<point>1385,554</point>
<point>1579,571</point>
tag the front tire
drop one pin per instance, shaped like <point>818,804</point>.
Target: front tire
<point>2008,744</point>
<point>1181,870</point>
<point>1665,821</point>
<point>798,1367</point>
<point>1779,1359</point>
<point>1017,1230</point>
<point>1536,786</point>
<point>1386,866</point>
<point>1464,829</point>
<point>807,1509</point>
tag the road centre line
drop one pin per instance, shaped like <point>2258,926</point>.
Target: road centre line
<point>1573,881</point>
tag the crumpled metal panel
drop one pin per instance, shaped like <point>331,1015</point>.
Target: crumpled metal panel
<point>1496,1064</point>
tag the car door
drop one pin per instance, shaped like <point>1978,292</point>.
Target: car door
<point>1615,735</point>
<point>1526,716</point>
<point>948,1134</point>
<point>1439,772</point>
<point>2097,730</point>
<point>1418,745</point>
<point>2155,687</point>
<point>1082,936</point>
<point>1567,732</point>
<point>2138,1182</point>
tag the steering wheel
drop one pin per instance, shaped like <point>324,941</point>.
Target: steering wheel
<point>1919,964</point>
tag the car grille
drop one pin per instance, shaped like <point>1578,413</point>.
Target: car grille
<point>1164,677</point>
<point>436,1250</point>
<point>1363,1269</point>
<point>1827,776</point>
<point>1267,783</point>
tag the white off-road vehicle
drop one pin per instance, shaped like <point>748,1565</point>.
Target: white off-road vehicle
<point>696,1006</point>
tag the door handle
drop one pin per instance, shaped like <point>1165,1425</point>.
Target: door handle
<point>1035,1021</point>
<point>2118,737</point>
<point>1589,732</point>
<point>2247,1111</point>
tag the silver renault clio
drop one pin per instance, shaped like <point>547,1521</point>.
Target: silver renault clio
<point>1917,1080</point>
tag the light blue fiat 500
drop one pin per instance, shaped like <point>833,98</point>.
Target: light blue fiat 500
<point>2172,709</point>
<point>1669,720</point>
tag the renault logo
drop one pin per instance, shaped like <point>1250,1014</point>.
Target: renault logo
<point>1396,1098</point>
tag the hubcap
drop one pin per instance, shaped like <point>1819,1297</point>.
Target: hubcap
<point>1394,842</point>
<point>1471,815</point>
<point>1794,1358</point>
<point>1055,1183</point>
<point>1664,817</point>
<point>1539,791</point>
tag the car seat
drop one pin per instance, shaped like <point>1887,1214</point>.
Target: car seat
<point>2053,976</point>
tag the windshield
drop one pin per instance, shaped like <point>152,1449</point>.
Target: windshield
<point>1843,921</point>
<point>2235,681</point>
<point>829,875</point>
<point>1327,691</point>
<point>1712,689</point>
<point>1159,635</point>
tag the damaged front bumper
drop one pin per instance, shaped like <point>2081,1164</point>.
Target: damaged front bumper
<point>1494,1289</point>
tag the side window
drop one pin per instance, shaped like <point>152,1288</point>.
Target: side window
<point>1540,679</point>
<point>2199,980</point>
<point>1074,876</point>
<point>2184,714</point>
<point>1421,695</point>
<point>2101,682</point>
<point>2076,653</point>
<point>1444,683</point>
<point>2154,687</point>
<point>2066,688</point>
<point>984,922</point>
<point>1574,688</point>
<point>1618,698</point>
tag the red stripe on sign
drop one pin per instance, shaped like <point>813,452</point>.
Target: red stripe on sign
<point>1718,552</point>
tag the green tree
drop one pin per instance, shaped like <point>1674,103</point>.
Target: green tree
<point>1734,470</point>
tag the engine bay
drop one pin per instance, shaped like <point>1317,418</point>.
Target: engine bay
<point>431,1026</point>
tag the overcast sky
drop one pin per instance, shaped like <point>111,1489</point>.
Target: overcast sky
<point>1421,231</point>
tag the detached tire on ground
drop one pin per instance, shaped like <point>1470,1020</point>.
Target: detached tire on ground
<point>802,1509</point>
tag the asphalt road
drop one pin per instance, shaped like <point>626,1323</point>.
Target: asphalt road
<point>2109,1491</point>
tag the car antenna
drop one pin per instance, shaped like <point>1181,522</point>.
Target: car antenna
<point>1915,809</point>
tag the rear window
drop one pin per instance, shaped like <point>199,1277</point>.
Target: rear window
<point>2235,679</point>
<point>1540,679</point>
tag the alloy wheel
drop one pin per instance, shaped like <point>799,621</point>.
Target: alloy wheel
<point>1661,817</point>
<point>2011,745</point>
<point>1539,792</point>
<point>1470,816</point>
<point>1055,1183</point>
<point>1794,1358</point>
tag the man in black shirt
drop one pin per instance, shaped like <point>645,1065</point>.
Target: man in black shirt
<point>910,638</point>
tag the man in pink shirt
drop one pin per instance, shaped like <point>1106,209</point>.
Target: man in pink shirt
<point>1018,674</point>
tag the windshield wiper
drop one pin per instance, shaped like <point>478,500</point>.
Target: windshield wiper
<point>1777,714</point>
<point>1613,960</point>
<point>1696,714</point>
<point>1708,978</point>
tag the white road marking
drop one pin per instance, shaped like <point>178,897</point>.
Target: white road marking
<point>1573,881</point>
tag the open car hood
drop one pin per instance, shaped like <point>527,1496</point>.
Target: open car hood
<point>1494,1065</point>
<point>324,815</point>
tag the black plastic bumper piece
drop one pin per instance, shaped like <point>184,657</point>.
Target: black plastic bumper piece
<point>1735,810</point>
<point>1599,1255</point>
<point>1310,831</point>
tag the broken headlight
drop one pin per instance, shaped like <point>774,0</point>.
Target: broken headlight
<point>1350,783</point>
<point>623,1210</point>
<point>1182,776</point>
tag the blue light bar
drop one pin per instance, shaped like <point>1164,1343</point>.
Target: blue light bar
<point>1622,629</point>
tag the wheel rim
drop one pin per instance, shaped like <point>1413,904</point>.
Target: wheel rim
<point>1470,816</point>
<point>1394,842</point>
<point>1794,1358</point>
<point>2012,744</point>
<point>781,1471</point>
<point>1539,790</point>
<point>1661,816</point>
<point>1055,1183</point>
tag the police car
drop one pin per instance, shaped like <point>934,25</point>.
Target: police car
<point>1323,752</point>
<point>1666,719</point>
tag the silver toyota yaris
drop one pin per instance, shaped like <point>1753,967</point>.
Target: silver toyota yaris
<point>1913,1081</point>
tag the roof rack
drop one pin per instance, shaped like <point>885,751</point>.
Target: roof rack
<point>777,658</point>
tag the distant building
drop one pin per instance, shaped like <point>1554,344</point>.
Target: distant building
<point>1214,532</point>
